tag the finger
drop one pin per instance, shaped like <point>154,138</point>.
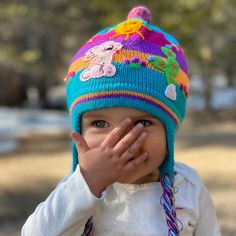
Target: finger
<point>134,148</point>
<point>114,136</point>
<point>128,140</point>
<point>136,162</point>
<point>80,142</point>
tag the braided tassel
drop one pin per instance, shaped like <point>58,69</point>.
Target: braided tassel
<point>167,201</point>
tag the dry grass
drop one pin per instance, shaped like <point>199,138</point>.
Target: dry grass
<point>28,175</point>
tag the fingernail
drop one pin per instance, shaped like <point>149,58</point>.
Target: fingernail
<point>139,125</point>
<point>72,134</point>
<point>145,154</point>
<point>128,120</point>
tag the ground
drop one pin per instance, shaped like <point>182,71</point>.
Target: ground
<point>31,172</point>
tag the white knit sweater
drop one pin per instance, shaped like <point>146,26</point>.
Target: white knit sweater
<point>124,209</point>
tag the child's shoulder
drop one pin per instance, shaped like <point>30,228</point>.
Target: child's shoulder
<point>187,174</point>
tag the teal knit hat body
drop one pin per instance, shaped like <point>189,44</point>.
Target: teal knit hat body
<point>133,64</point>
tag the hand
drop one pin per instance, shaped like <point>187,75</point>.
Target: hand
<point>104,164</point>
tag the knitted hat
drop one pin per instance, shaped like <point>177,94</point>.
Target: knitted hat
<point>133,64</point>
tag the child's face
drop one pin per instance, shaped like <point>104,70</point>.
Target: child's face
<point>97,124</point>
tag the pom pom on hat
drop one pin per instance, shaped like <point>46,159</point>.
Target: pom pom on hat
<point>140,12</point>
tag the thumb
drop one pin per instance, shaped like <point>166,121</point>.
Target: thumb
<point>80,142</point>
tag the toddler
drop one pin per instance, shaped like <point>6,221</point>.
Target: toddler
<point>126,90</point>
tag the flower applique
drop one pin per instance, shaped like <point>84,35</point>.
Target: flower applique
<point>101,63</point>
<point>170,67</point>
<point>135,63</point>
<point>129,27</point>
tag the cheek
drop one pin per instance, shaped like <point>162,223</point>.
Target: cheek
<point>161,151</point>
<point>155,146</point>
<point>93,140</point>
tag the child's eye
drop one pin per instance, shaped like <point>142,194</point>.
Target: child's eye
<point>145,123</point>
<point>100,124</point>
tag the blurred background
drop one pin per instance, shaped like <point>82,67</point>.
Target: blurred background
<point>37,41</point>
